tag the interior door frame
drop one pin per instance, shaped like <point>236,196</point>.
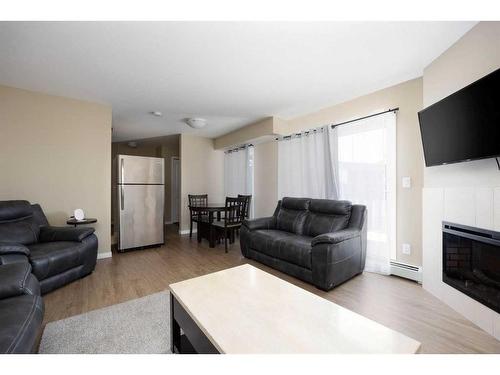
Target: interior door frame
<point>173,159</point>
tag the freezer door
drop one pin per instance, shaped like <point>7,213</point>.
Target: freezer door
<point>141,215</point>
<point>140,170</point>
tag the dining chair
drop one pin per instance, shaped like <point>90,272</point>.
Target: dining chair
<point>247,205</point>
<point>234,214</point>
<point>200,200</point>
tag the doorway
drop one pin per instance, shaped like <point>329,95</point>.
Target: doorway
<point>176,189</point>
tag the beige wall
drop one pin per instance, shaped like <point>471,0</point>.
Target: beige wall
<point>56,151</point>
<point>202,172</point>
<point>476,54</point>
<point>263,129</point>
<point>466,193</point>
<point>265,178</point>
<point>408,97</point>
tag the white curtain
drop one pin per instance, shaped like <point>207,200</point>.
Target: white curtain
<point>366,168</point>
<point>238,173</point>
<point>306,165</point>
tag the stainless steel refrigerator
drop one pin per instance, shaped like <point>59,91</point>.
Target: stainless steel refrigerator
<point>141,194</point>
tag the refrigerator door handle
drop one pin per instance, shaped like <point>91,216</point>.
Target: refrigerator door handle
<point>122,200</point>
<point>122,167</point>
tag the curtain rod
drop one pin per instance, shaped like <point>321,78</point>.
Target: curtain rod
<point>300,134</point>
<point>238,148</point>
<point>364,117</point>
<point>341,123</point>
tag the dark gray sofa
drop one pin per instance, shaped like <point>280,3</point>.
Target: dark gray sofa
<point>35,258</point>
<point>320,241</point>
<point>21,308</point>
<point>58,255</point>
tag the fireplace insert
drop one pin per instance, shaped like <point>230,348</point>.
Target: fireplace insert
<point>471,262</point>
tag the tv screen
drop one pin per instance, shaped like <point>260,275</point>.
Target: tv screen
<point>465,125</point>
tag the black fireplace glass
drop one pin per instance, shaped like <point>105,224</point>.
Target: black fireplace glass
<point>471,262</point>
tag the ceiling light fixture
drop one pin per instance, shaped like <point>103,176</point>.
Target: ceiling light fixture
<point>196,123</point>
<point>156,113</point>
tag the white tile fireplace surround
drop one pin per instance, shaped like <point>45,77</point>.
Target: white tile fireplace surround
<point>465,193</point>
<point>474,206</point>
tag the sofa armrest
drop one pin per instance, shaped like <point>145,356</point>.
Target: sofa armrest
<point>336,257</point>
<point>16,279</point>
<point>13,258</point>
<point>51,234</point>
<point>336,237</point>
<point>260,223</point>
<point>13,248</point>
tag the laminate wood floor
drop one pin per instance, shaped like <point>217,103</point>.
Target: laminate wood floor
<point>394,302</point>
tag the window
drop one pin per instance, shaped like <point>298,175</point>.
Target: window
<point>366,170</point>
<point>238,173</point>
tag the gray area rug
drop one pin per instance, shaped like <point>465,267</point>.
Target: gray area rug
<point>138,326</point>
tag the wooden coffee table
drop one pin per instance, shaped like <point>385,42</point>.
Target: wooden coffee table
<point>246,310</point>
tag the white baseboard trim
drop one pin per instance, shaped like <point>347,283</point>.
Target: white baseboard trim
<point>104,255</point>
<point>186,231</point>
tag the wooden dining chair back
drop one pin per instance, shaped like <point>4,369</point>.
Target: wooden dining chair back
<point>234,214</point>
<point>199,200</point>
<point>247,204</point>
<point>235,210</point>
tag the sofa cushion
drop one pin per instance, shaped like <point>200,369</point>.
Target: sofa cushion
<point>14,210</point>
<point>20,323</point>
<point>262,240</point>
<point>38,215</point>
<point>292,215</point>
<point>295,203</point>
<point>16,223</point>
<point>295,249</point>
<point>286,246</point>
<point>24,231</point>
<point>326,216</point>
<point>51,258</point>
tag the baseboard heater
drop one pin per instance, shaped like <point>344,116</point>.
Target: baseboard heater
<point>407,271</point>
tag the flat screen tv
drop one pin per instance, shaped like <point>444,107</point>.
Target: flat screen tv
<point>465,125</point>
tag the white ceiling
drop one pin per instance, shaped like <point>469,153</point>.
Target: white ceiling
<point>231,73</point>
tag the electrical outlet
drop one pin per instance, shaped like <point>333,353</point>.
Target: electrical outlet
<point>406,249</point>
<point>406,182</point>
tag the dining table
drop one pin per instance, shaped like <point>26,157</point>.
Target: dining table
<point>206,229</point>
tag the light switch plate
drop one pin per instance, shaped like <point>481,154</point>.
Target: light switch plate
<point>406,182</point>
<point>406,249</point>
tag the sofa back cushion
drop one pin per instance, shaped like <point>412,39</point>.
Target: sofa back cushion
<point>38,215</point>
<point>292,214</point>
<point>326,216</point>
<point>14,210</point>
<point>17,224</point>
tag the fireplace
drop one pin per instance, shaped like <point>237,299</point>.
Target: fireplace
<point>471,262</point>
